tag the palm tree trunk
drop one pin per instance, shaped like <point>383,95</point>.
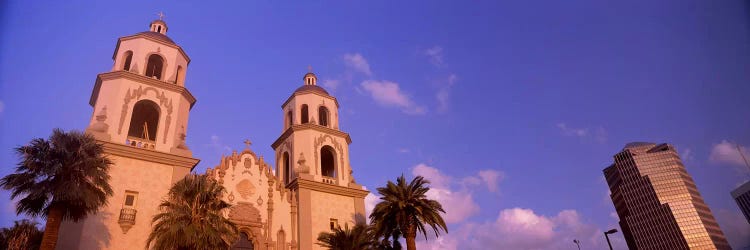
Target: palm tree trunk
<point>52,228</point>
<point>411,243</point>
<point>411,236</point>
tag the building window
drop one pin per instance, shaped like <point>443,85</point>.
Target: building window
<point>287,168</point>
<point>333,224</point>
<point>328,161</point>
<point>128,60</point>
<point>154,66</point>
<point>323,116</point>
<point>130,199</point>
<point>144,121</point>
<point>180,78</point>
<point>305,118</point>
<point>290,119</point>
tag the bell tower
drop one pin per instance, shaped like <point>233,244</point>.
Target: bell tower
<point>140,115</point>
<point>312,160</point>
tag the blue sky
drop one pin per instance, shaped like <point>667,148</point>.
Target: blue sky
<point>514,108</point>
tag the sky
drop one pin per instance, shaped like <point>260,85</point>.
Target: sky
<point>511,109</point>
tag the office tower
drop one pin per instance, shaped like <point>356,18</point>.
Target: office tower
<point>657,201</point>
<point>742,196</point>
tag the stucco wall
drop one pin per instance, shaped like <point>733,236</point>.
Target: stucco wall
<point>102,231</point>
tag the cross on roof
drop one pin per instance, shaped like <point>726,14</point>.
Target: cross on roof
<point>161,15</point>
<point>247,143</point>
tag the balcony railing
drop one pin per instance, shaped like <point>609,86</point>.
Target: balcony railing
<point>127,216</point>
<point>140,143</point>
<point>329,180</point>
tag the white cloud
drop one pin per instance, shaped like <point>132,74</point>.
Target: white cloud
<point>371,200</point>
<point>599,134</point>
<point>358,63</point>
<point>331,84</point>
<point>389,93</point>
<point>404,150</point>
<point>727,153</point>
<point>436,55</point>
<point>443,94</point>
<point>520,228</point>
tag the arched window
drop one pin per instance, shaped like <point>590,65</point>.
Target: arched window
<point>305,118</point>
<point>144,121</point>
<point>180,79</point>
<point>323,116</point>
<point>245,243</point>
<point>128,59</point>
<point>281,240</point>
<point>154,66</point>
<point>328,161</point>
<point>287,168</point>
<point>290,119</point>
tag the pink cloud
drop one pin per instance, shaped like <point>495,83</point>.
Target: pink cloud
<point>389,94</point>
<point>358,63</point>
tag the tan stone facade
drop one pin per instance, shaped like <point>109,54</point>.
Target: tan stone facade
<point>141,110</point>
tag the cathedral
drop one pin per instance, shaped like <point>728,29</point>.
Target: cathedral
<point>140,115</point>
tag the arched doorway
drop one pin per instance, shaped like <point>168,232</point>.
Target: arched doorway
<point>245,243</point>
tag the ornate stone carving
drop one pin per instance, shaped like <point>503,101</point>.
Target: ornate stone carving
<point>245,188</point>
<point>231,197</point>
<point>339,150</point>
<point>245,214</point>
<point>101,118</point>
<point>136,94</point>
<point>259,201</point>
<point>302,167</point>
<point>181,139</point>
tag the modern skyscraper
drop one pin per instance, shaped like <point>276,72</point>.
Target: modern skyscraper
<point>657,201</point>
<point>742,196</point>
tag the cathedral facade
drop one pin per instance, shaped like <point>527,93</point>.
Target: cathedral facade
<point>141,110</point>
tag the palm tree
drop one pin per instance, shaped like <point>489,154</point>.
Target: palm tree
<point>405,210</point>
<point>23,235</point>
<point>65,177</point>
<point>191,217</point>
<point>358,238</point>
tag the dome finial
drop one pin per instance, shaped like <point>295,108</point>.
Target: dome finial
<point>159,26</point>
